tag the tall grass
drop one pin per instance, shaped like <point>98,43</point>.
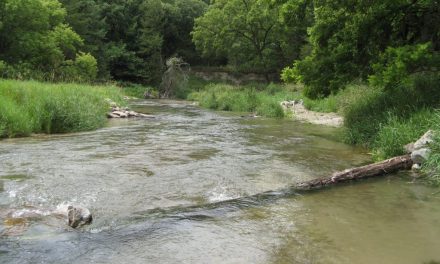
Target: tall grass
<point>371,112</point>
<point>337,102</point>
<point>397,132</point>
<point>32,107</point>
<point>264,102</point>
<point>432,165</point>
<point>386,120</point>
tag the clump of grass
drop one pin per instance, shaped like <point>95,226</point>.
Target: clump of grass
<point>34,107</point>
<point>15,120</point>
<point>397,132</point>
<point>337,102</point>
<point>270,109</point>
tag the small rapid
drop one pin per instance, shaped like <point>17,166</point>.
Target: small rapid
<point>196,186</point>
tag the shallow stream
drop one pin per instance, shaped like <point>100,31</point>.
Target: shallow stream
<point>181,188</point>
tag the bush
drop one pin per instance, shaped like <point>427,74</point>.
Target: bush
<point>83,69</point>
<point>396,63</point>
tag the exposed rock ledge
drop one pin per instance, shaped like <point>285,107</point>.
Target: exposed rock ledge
<point>302,114</point>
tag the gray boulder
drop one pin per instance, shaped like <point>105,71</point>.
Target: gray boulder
<point>425,140</point>
<point>420,150</point>
<point>419,156</point>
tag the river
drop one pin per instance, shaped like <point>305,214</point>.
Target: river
<point>181,188</point>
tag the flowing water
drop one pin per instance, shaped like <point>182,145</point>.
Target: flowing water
<point>183,188</point>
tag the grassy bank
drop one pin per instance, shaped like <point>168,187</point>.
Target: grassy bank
<point>32,107</point>
<point>263,101</point>
<point>383,120</point>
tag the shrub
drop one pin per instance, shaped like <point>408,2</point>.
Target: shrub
<point>396,64</point>
<point>83,69</point>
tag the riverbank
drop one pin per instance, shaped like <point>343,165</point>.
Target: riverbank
<point>28,107</point>
<point>381,120</point>
<point>301,113</point>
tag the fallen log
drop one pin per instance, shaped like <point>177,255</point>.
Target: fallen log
<point>198,211</point>
<point>367,171</point>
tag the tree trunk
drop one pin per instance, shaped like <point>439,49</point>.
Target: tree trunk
<point>367,171</point>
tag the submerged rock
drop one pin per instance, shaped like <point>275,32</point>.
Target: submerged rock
<point>78,216</point>
<point>17,220</point>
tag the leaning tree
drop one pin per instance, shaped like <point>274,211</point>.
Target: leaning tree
<point>175,77</point>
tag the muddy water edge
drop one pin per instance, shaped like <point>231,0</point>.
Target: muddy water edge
<point>160,191</point>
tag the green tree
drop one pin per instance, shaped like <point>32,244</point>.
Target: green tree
<point>249,33</point>
<point>131,39</point>
<point>87,18</point>
<point>179,22</point>
<point>347,38</point>
<point>35,40</point>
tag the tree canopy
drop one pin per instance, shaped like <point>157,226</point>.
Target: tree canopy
<point>348,37</point>
<point>249,33</point>
<point>122,40</point>
<point>35,36</point>
<point>326,43</point>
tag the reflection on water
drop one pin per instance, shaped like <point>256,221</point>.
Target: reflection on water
<point>160,191</point>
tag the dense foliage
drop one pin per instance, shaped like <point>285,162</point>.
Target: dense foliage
<point>36,42</point>
<point>355,39</point>
<point>81,40</point>
<point>132,39</point>
<point>249,34</point>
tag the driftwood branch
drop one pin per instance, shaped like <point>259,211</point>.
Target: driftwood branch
<point>367,171</point>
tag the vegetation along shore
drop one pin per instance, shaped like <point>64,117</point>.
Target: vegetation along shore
<point>374,63</point>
